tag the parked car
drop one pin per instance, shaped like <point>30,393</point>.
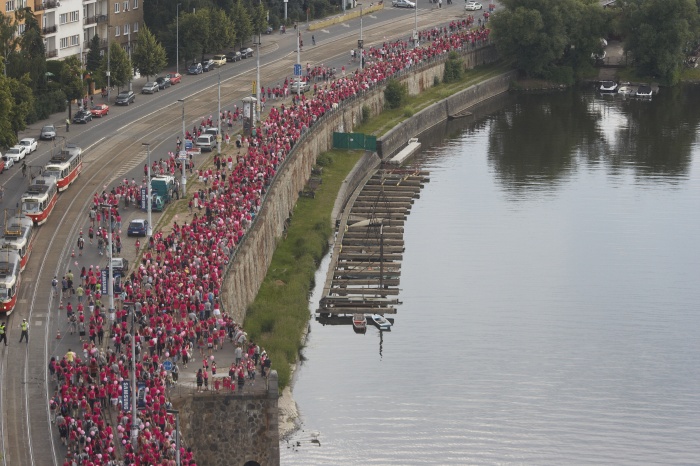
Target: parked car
<point>246,52</point>
<point>208,65</point>
<point>473,6</point>
<point>99,110</point>
<point>29,143</point>
<point>174,78</point>
<point>206,142</point>
<point>150,88</point>
<point>16,153</point>
<point>403,4</point>
<point>233,56</point>
<point>268,30</point>
<point>163,82</point>
<point>195,68</point>
<point>138,227</point>
<point>48,132</point>
<point>219,60</point>
<point>8,162</point>
<point>83,116</point>
<point>299,87</point>
<point>125,98</point>
<point>2,169</point>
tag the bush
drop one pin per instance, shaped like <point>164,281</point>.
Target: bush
<point>324,160</point>
<point>395,94</point>
<point>46,104</point>
<point>408,113</point>
<point>436,80</point>
<point>365,113</point>
<point>454,68</point>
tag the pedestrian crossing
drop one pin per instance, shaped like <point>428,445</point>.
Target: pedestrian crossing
<point>130,165</point>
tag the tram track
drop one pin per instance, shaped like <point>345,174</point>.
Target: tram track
<point>103,164</point>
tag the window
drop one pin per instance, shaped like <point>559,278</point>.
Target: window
<point>21,28</point>
<point>10,5</point>
<point>116,7</point>
<point>117,30</point>
<point>64,42</point>
<point>136,27</point>
<point>136,4</point>
<point>75,40</point>
<point>74,16</point>
<point>63,18</point>
<point>126,29</point>
<point>126,5</point>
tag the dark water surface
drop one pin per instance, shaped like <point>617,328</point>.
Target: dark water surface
<point>551,299</point>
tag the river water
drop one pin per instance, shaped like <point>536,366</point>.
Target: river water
<point>551,299</point>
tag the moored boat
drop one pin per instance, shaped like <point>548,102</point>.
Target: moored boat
<point>381,322</point>
<point>643,92</point>
<point>359,323</point>
<point>608,87</point>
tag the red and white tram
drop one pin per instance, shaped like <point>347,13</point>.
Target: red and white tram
<point>40,198</point>
<point>9,280</point>
<point>65,166</point>
<point>19,237</point>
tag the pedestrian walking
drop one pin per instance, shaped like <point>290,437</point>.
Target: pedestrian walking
<point>3,333</point>
<point>81,245</point>
<point>54,285</point>
<point>25,331</point>
<point>67,125</point>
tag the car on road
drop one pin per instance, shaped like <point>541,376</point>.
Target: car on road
<point>7,162</point>
<point>219,60</point>
<point>174,78</point>
<point>48,132</point>
<point>195,68</point>
<point>208,65</point>
<point>138,227</point>
<point>299,87</point>
<point>83,116</point>
<point>233,56</point>
<point>403,4</point>
<point>2,169</point>
<point>246,52</point>
<point>99,110</point>
<point>150,88</point>
<point>473,6</point>
<point>16,153</point>
<point>163,82</point>
<point>206,142</point>
<point>29,143</point>
<point>125,98</point>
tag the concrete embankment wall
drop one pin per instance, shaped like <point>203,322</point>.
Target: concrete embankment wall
<point>396,138</point>
<point>252,258</point>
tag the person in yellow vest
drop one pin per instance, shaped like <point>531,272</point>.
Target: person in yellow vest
<point>25,331</point>
<point>3,333</point>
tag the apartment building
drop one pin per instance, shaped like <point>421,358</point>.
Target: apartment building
<point>68,26</point>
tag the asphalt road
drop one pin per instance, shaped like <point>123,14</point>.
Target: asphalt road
<point>113,151</point>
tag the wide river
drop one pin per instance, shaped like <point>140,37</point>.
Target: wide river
<point>551,298</point>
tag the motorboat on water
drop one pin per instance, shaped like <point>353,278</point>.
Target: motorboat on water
<point>643,92</point>
<point>381,322</point>
<point>608,87</point>
<point>359,323</point>
<point>626,90</point>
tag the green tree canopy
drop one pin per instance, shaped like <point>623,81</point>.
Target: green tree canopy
<point>8,137</point>
<point>120,65</point>
<point>658,35</point>
<point>31,57</point>
<point>94,57</point>
<point>149,55</point>
<point>222,31</point>
<point>244,24</point>
<point>23,103</point>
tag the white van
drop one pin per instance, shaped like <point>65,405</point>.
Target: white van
<point>206,142</point>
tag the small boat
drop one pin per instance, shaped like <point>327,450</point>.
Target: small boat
<point>625,89</point>
<point>608,87</point>
<point>359,323</point>
<point>381,322</point>
<point>643,92</point>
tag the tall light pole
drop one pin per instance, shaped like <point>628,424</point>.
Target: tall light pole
<point>415,25</point>
<point>109,87</point>
<point>362,43</point>
<point>257,79</point>
<point>299,62</point>
<point>177,433</point>
<point>149,201</point>
<point>128,47</point>
<point>183,184</point>
<point>218,135</point>
<point>134,388</point>
<point>177,40</point>
<point>110,281</point>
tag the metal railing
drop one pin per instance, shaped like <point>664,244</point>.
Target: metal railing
<point>45,5</point>
<point>51,53</point>
<point>49,29</point>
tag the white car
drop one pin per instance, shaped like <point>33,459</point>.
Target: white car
<point>8,162</point>
<point>16,153</point>
<point>473,6</point>
<point>29,143</point>
<point>403,4</point>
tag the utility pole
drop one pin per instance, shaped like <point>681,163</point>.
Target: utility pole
<point>149,201</point>
<point>109,56</point>
<point>177,40</point>
<point>183,186</point>
<point>257,80</point>
<point>218,135</point>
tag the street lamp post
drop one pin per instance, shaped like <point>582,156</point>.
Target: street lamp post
<point>415,25</point>
<point>177,433</point>
<point>149,201</point>
<point>109,56</point>
<point>110,278</point>
<point>134,388</point>
<point>177,40</point>
<point>362,43</point>
<point>183,186</point>
<point>218,134</point>
<point>257,79</point>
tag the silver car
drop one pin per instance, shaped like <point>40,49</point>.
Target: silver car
<point>48,132</point>
<point>150,88</point>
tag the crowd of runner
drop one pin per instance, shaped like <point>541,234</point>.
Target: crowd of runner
<point>175,288</point>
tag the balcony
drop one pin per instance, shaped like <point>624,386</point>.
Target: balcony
<point>45,4</point>
<point>52,53</point>
<point>86,44</point>
<point>49,30</point>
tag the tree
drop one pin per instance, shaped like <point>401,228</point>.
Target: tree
<point>259,19</point>
<point>70,75</point>
<point>149,55</point>
<point>222,31</point>
<point>8,42</point>
<point>244,25</point>
<point>659,34</point>
<point>94,57</point>
<point>8,137</point>
<point>120,65</point>
<point>23,103</point>
<point>395,94</point>
<point>32,55</point>
<point>194,31</point>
